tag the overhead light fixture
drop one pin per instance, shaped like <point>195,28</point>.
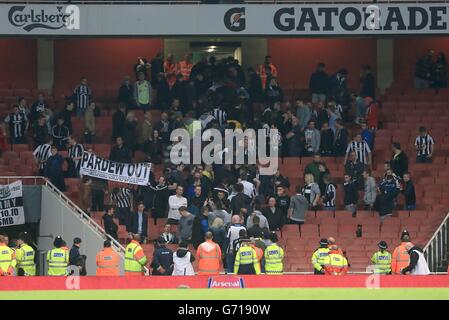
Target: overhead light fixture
<point>213,47</point>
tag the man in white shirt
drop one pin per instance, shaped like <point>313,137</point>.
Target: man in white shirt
<point>248,187</point>
<point>233,234</point>
<point>174,203</point>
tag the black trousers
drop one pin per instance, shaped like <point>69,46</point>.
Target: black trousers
<point>246,269</point>
<point>97,200</point>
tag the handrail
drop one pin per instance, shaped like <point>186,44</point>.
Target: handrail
<point>75,209</point>
<point>436,250</point>
<point>436,232</point>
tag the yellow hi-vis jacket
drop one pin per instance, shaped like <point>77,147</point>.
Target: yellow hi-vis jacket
<point>135,259</point>
<point>319,258</point>
<point>382,262</point>
<point>246,255</point>
<point>7,260</point>
<point>273,259</point>
<point>25,260</point>
<point>58,260</point>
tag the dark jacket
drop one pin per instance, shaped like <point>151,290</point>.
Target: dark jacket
<point>409,193</point>
<point>219,236</point>
<point>239,201</point>
<point>135,223</point>
<point>120,154</point>
<point>168,239</point>
<point>73,255</point>
<point>351,194</point>
<point>296,142</point>
<point>118,122</point>
<point>198,229</point>
<point>368,83</point>
<point>319,82</point>
<point>399,164</point>
<point>255,231</point>
<point>130,134</point>
<point>355,170</point>
<point>110,227</point>
<point>162,257</point>
<point>341,142</point>
<point>125,94</point>
<point>163,97</point>
<point>67,116</point>
<point>40,133</point>
<point>327,142</point>
<point>53,171</point>
<point>275,220</point>
<point>423,67</point>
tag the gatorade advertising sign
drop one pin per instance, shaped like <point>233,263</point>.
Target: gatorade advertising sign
<point>226,282</point>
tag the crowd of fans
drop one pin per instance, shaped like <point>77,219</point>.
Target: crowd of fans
<point>230,201</point>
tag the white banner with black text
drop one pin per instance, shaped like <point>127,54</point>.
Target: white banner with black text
<point>11,204</point>
<point>132,173</point>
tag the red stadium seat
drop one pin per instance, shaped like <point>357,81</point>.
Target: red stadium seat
<point>309,231</point>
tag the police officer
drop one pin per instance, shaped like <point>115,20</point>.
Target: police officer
<point>57,258</point>
<point>135,259</point>
<point>25,256</point>
<point>319,257</point>
<point>7,258</point>
<point>246,261</point>
<point>382,259</point>
<point>274,256</point>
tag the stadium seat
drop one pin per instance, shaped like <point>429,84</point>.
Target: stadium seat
<point>309,231</point>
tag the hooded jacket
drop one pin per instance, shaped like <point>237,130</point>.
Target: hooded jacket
<point>182,263</point>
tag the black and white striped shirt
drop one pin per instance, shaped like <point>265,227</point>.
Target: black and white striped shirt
<point>361,150</point>
<point>82,94</point>
<point>220,116</point>
<point>76,151</point>
<point>42,153</point>
<point>330,195</point>
<point>17,123</point>
<point>122,198</point>
<point>424,145</point>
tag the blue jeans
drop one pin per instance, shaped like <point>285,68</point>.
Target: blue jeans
<point>410,207</point>
<point>230,260</point>
<point>361,107</point>
<point>329,208</point>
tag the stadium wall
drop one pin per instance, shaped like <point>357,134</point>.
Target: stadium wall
<point>408,49</point>
<point>18,58</point>
<point>103,61</point>
<point>58,218</point>
<point>296,59</point>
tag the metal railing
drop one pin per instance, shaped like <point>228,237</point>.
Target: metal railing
<point>38,180</point>
<point>436,250</point>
